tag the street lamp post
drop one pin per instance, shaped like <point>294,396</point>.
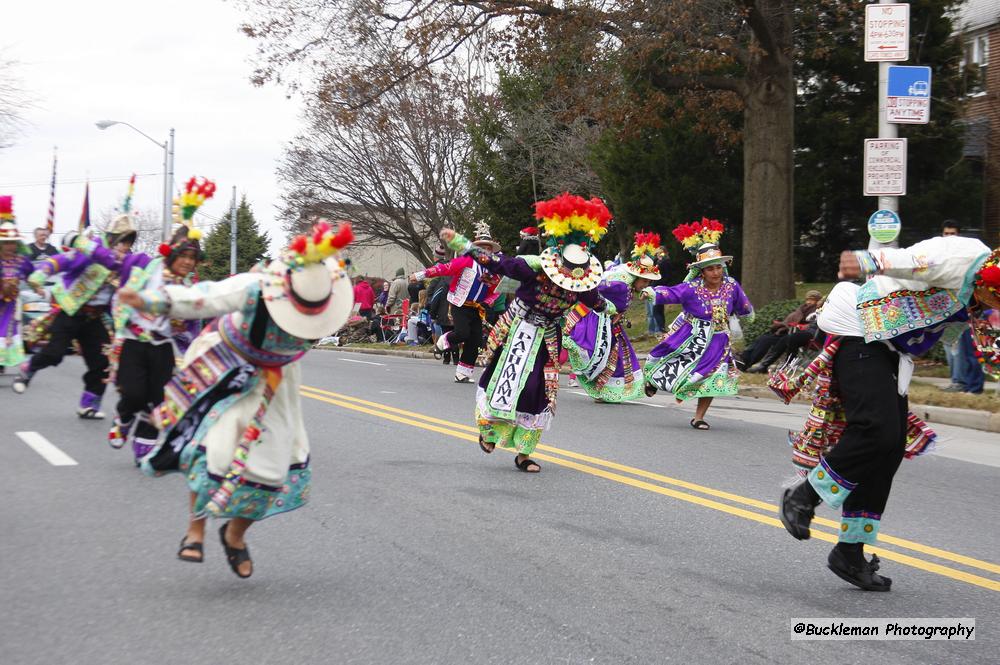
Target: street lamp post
<point>168,168</point>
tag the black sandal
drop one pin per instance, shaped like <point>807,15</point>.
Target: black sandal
<point>483,445</point>
<point>700,424</point>
<point>196,547</point>
<point>235,556</point>
<point>527,462</point>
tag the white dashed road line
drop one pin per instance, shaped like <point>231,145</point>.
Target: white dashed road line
<point>362,362</point>
<point>46,449</point>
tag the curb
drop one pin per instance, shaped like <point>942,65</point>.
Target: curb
<point>969,418</point>
<point>398,353</point>
<point>945,415</point>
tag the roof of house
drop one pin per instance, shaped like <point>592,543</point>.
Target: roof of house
<point>976,14</point>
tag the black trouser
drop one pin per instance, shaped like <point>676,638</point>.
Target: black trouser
<point>87,328</point>
<point>792,342</point>
<point>468,332</point>
<point>143,371</point>
<point>760,348</point>
<point>873,443</point>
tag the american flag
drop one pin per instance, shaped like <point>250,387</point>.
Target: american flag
<point>50,219</point>
<point>85,213</point>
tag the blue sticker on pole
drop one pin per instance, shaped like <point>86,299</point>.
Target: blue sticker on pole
<point>908,96</point>
<point>883,226</point>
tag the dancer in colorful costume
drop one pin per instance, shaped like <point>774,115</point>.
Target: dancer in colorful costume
<point>516,397</point>
<point>695,358</point>
<point>15,267</point>
<point>912,295</point>
<point>600,351</point>
<point>90,273</point>
<point>472,291</point>
<point>232,416</point>
<point>147,346</point>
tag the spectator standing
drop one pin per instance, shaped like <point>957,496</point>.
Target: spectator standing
<point>413,288</point>
<point>971,377</point>
<point>382,297</point>
<point>952,344</point>
<point>364,296</point>
<point>41,247</point>
<point>397,293</point>
<point>437,305</point>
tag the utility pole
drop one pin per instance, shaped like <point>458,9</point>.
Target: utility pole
<point>232,235</point>
<point>168,186</point>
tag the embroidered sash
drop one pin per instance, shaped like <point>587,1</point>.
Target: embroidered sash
<point>513,368</point>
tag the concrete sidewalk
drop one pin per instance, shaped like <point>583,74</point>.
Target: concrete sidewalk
<point>989,386</point>
<point>968,418</point>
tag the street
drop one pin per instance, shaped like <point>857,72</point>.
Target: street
<point>641,540</point>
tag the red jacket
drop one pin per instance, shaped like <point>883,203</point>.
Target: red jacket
<point>470,282</point>
<point>363,295</point>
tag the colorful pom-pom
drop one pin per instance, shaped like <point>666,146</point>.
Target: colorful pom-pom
<point>164,249</point>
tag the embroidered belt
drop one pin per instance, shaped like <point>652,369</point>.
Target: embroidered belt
<point>526,313</point>
<point>240,344</point>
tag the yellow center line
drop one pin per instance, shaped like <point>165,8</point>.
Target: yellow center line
<point>458,430</point>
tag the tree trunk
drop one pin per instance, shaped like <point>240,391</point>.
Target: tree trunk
<point>768,178</point>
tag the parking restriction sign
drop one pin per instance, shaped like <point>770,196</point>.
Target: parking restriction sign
<point>885,167</point>
<point>887,32</point>
<point>908,98</point>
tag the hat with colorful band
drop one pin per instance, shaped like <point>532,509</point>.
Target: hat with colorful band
<point>572,225</point>
<point>307,291</point>
<point>701,238</point>
<point>645,253</point>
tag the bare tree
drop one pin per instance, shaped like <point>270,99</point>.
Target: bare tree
<point>396,167</point>
<point>14,100</point>
<point>147,225</point>
<point>645,55</point>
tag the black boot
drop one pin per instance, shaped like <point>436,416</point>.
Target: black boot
<point>847,561</point>
<point>447,357</point>
<point>797,509</point>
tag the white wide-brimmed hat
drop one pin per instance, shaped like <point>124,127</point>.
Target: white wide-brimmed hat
<point>645,251</point>
<point>306,295</point>
<point>8,225</point>
<point>572,225</point>
<point>709,255</point>
<point>573,268</point>
<point>8,232</point>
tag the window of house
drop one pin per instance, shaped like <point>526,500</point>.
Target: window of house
<point>975,59</point>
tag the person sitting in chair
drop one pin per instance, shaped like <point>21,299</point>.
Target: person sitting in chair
<point>766,349</point>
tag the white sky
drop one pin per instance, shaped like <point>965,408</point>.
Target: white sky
<point>156,65</point>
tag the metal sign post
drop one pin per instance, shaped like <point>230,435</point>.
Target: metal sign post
<point>232,235</point>
<point>887,39</point>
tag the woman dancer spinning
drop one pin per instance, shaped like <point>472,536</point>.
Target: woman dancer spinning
<point>516,397</point>
<point>695,358</point>
<point>600,351</point>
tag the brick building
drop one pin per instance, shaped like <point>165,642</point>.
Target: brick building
<point>978,22</point>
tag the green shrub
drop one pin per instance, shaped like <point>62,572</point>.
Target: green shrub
<point>766,315</point>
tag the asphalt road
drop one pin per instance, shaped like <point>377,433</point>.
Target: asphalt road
<point>641,541</point>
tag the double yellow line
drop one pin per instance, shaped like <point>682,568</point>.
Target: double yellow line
<point>726,502</point>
